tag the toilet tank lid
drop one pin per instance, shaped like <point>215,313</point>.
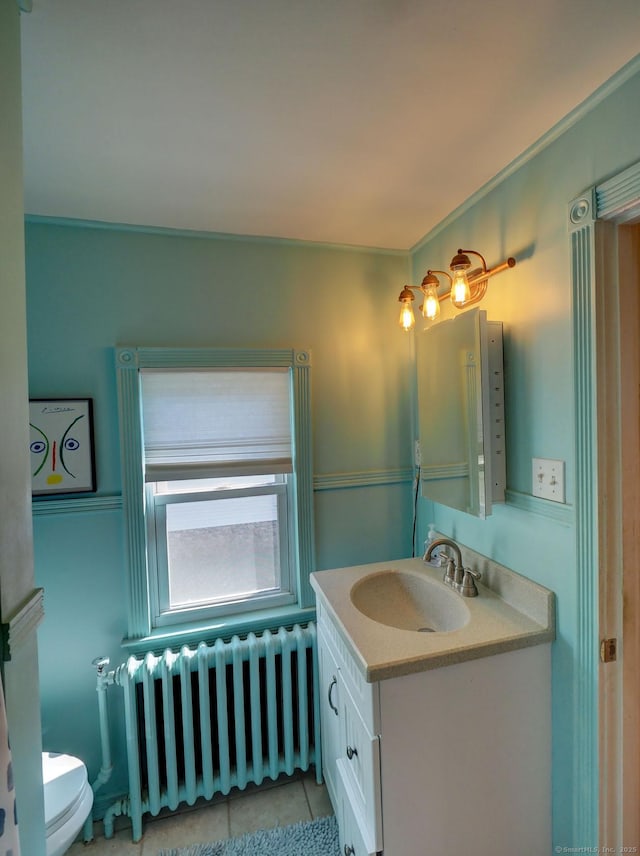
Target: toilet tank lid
<point>65,779</point>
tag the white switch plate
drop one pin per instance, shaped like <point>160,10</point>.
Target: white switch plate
<point>548,479</point>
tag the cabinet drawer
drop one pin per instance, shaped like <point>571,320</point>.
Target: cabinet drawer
<point>359,771</point>
<point>351,840</point>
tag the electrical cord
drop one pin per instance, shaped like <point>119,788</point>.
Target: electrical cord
<point>415,514</point>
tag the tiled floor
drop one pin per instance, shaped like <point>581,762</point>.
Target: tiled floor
<point>277,804</point>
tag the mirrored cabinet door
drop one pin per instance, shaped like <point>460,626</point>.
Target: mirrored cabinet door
<point>461,412</point>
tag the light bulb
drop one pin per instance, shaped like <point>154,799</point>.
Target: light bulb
<point>407,318</point>
<point>431,305</point>
<point>460,291</point>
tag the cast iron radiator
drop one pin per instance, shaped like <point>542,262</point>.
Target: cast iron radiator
<point>205,720</point>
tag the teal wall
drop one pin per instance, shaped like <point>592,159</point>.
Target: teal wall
<point>526,215</point>
<point>90,289</point>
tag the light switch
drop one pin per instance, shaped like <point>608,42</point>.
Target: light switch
<point>548,479</point>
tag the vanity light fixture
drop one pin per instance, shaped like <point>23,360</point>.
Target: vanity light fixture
<point>465,288</point>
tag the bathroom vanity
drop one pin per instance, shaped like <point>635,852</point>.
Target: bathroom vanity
<point>436,734</point>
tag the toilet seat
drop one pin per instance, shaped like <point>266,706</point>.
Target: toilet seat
<point>68,799</point>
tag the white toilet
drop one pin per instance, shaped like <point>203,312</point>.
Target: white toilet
<point>68,799</point>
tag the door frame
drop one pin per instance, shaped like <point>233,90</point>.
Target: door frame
<point>605,326</point>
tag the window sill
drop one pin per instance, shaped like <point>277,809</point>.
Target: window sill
<point>223,628</point>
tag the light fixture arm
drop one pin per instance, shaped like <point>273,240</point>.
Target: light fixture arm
<point>463,256</point>
<point>505,265</point>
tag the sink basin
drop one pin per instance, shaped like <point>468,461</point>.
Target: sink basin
<point>409,601</point>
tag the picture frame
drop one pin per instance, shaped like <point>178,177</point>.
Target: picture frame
<point>61,446</point>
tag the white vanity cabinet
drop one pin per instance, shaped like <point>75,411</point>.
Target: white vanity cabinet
<point>441,762</point>
<point>350,744</point>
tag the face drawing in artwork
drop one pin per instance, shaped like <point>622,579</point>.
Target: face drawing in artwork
<point>53,444</point>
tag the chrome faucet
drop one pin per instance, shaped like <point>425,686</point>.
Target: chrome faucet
<point>456,575</point>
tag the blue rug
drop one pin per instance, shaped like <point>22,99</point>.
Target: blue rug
<point>312,838</point>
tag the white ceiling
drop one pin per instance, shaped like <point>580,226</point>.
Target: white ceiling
<point>350,121</point>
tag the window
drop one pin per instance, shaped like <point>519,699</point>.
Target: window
<point>220,543</point>
<point>216,487</point>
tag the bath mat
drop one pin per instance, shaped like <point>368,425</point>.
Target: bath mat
<point>311,838</point>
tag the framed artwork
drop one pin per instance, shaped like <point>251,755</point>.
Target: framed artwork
<point>61,445</point>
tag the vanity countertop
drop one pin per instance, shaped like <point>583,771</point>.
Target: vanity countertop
<point>510,612</point>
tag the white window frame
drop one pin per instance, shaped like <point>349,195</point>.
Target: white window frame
<point>158,563</point>
<point>147,617</point>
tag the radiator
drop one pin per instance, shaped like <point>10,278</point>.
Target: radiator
<point>202,721</point>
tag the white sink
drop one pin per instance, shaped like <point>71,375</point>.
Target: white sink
<point>409,601</point>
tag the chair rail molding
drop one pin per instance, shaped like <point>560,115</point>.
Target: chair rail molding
<point>23,622</point>
<point>367,478</point>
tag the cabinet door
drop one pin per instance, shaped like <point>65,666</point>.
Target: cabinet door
<point>359,767</point>
<point>329,716</point>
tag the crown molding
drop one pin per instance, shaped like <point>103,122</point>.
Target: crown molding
<point>567,122</point>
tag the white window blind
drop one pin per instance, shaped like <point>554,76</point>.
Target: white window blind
<point>212,422</point>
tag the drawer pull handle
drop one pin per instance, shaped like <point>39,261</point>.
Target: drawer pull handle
<point>334,681</point>
<point>351,751</point>
<point>348,851</point>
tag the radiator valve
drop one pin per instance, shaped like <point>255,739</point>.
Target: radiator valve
<point>100,664</point>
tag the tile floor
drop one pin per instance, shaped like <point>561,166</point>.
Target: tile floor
<point>279,803</point>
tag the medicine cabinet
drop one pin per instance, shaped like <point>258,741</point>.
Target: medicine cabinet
<point>461,412</point>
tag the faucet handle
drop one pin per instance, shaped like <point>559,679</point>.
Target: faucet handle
<point>468,587</point>
<point>450,572</point>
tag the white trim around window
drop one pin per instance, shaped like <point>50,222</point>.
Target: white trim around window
<point>149,620</point>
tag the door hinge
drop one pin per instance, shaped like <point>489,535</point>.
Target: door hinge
<point>608,650</point>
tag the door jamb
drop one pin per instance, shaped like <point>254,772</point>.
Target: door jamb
<point>603,781</point>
